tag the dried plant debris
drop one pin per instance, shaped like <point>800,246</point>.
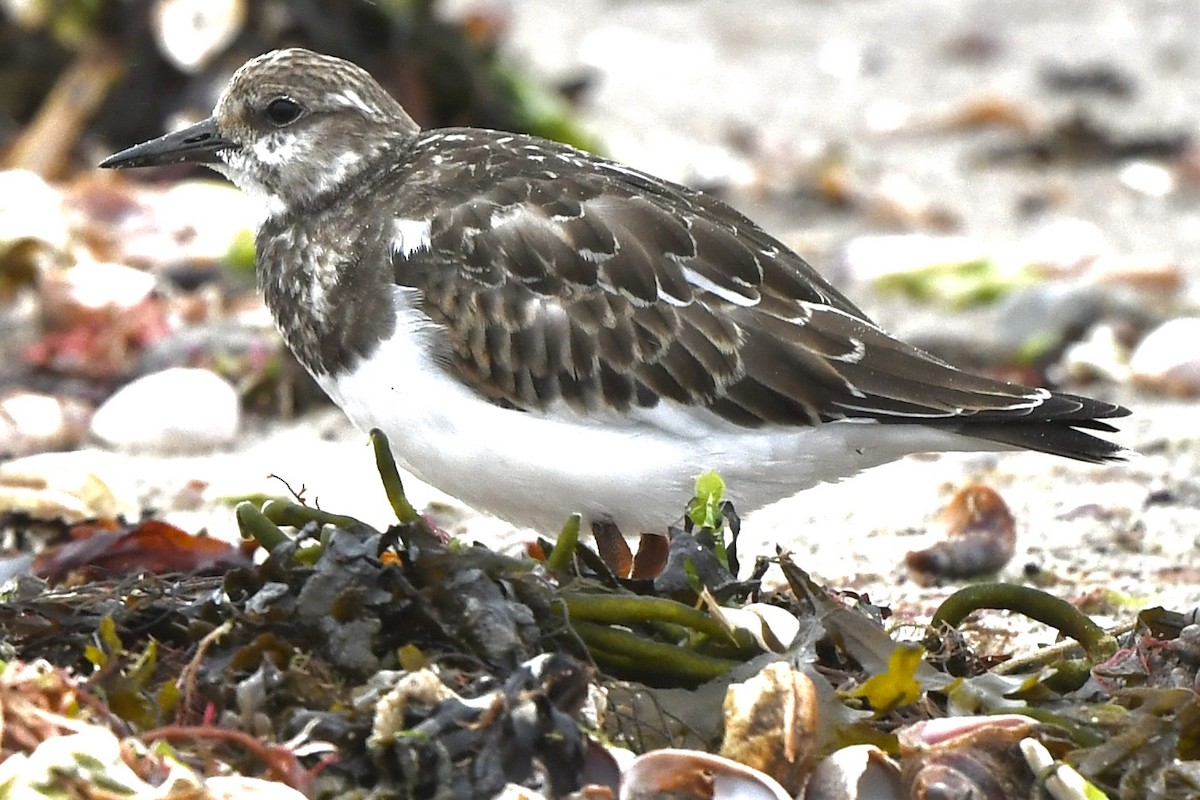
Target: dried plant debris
<point>111,549</point>
<point>358,663</point>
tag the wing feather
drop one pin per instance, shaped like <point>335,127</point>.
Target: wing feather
<point>610,290</point>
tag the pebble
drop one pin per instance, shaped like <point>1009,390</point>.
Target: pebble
<point>1168,358</point>
<point>99,284</point>
<point>30,208</point>
<point>1150,179</point>
<point>1098,356</point>
<point>32,422</point>
<point>191,33</point>
<point>175,411</point>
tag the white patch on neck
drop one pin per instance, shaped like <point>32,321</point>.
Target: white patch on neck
<point>411,235</point>
<point>233,168</point>
<point>344,164</point>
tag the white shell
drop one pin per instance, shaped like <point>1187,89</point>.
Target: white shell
<point>858,772</point>
<point>666,771</point>
<point>772,627</point>
<point>1168,358</point>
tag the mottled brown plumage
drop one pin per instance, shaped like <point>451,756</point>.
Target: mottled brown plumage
<point>489,298</point>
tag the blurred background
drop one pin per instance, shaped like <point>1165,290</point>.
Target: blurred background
<point>1013,185</point>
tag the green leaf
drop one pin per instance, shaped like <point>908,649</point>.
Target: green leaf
<point>705,508</point>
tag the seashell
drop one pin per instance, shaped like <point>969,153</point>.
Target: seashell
<point>771,723</point>
<point>977,757</point>
<point>981,537</point>
<point>1166,358</point>
<point>603,765</point>
<point>696,775</point>
<point>514,792</point>
<point>31,422</point>
<point>858,772</point>
<point>71,486</point>
<point>773,627</point>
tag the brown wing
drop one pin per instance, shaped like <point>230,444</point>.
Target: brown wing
<point>605,288</point>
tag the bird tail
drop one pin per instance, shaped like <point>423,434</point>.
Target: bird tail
<point>1068,435</point>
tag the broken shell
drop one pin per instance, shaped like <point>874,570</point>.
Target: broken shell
<point>71,486</point>
<point>981,537</point>
<point>603,765</point>
<point>950,730</point>
<point>967,757</point>
<point>857,772</point>
<point>771,724</point>
<point>1166,359</point>
<point>31,422</point>
<point>773,627</point>
<point>30,208</point>
<point>696,775</point>
<point>422,687</point>
<point>514,792</point>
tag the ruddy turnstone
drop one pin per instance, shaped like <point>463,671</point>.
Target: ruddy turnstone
<point>541,331</point>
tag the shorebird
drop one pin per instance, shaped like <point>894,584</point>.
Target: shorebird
<point>541,331</point>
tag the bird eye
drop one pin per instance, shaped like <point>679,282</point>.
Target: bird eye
<point>283,111</point>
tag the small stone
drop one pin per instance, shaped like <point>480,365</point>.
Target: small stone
<point>1099,356</point>
<point>176,410</point>
<point>30,208</point>
<point>98,284</point>
<point>191,33</point>
<point>1150,179</point>
<point>1168,359</point>
<point>31,422</point>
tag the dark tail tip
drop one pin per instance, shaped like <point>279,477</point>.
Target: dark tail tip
<point>1068,434</point>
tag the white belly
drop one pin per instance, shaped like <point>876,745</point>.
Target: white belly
<point>534,469</point>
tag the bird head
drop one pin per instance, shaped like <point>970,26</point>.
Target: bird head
<point>291,126</point>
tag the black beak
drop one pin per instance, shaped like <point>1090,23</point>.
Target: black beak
<point>198,144</point>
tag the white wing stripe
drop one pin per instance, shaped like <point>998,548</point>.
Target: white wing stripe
<point>723,292</point>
